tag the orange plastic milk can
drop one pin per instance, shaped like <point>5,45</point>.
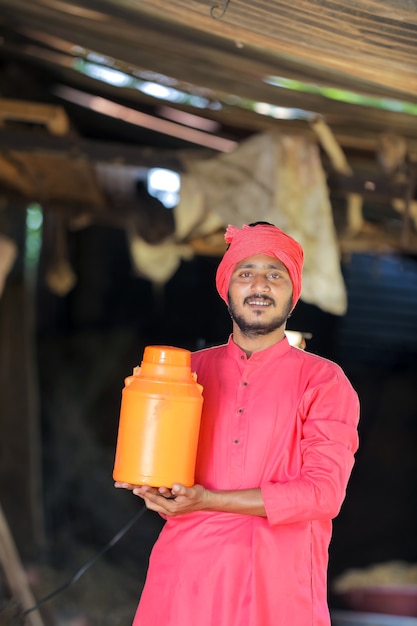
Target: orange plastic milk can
<point>159,420</point>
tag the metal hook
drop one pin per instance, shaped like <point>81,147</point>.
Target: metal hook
<point>214,11</point>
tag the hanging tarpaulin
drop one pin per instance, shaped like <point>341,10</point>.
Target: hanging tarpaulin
<point>280,179</point>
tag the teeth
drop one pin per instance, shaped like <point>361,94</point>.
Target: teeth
<point>259,303</point>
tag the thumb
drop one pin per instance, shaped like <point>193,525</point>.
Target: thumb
<point>179,490</point>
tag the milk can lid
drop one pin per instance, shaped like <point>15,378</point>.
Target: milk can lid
<point>167,355</point>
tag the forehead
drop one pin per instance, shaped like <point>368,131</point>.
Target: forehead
<point>261,261</point>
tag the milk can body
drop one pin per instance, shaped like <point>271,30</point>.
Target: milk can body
<point>159,421</point>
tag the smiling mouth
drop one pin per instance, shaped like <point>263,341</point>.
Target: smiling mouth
<point>259,301</point>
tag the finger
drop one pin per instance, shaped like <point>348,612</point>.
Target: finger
<point>160,504</point>
<point>144,490</point>
<point>180,490</point>
<point>166,493</point>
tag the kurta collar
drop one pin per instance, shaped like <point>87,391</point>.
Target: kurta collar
<point>275,351</point>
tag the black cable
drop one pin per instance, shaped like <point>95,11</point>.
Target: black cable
<point>88,564</point>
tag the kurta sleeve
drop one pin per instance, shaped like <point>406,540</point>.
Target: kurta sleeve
<point>330,414</point>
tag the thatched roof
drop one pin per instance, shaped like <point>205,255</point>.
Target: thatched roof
<point>223,57</point>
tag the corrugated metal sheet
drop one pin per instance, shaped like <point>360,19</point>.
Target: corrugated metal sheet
<point>381,323</point>
<point>366,47</point>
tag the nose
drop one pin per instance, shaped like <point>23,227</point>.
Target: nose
<point>260,283</point>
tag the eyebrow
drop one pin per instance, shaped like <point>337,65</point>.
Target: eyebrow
<point>269,266</point>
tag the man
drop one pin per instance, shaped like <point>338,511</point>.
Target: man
<point>247,545</point>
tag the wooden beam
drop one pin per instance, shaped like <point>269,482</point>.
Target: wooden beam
<point>98,151</point>
<point>15,574</point>
<point>53,117</point>
<point>376,187</point>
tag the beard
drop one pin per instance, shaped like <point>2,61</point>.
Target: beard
<point>256,328</point>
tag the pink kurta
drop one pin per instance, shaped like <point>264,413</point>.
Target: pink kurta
<point>283,420</point>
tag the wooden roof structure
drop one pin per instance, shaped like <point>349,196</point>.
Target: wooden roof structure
<point>233,63</point>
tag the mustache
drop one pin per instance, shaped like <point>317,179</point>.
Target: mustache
<point>258,296</point>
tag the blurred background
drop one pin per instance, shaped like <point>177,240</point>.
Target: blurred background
<point>131,135</point>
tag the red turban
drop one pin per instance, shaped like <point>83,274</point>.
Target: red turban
<point>260,239</point>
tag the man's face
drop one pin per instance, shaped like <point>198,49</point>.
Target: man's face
<point>260,295</point>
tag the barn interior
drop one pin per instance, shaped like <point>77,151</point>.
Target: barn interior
<point>131,135</point>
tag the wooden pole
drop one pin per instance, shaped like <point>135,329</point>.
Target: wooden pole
<point>15,574</point>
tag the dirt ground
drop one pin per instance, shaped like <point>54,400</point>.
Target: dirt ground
<point>105,595</point>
